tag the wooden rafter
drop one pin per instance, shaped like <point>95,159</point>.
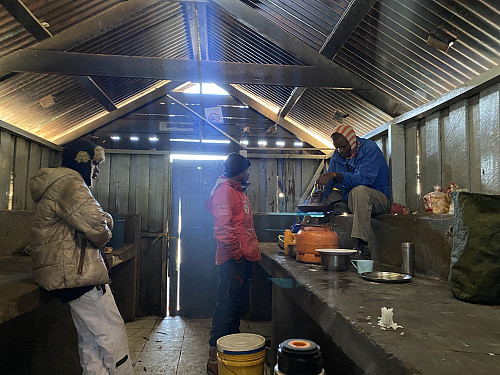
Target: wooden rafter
<point>82,64</point>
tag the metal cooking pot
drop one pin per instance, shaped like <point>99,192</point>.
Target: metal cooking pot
<point>338,260</point>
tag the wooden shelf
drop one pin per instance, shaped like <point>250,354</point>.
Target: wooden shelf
<point>118,256</point>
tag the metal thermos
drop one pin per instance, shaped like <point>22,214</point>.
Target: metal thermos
<point>299,356</point>
<point>407,258</point>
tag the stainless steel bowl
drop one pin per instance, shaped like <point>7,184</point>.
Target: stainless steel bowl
<point>338,260</point>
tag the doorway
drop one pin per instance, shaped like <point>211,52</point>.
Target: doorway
<point>192,271</point>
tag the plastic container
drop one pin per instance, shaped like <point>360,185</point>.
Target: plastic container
<point>118,232</point>
<point>299,356</point>
<point>311,238</point>
<point>241,354</point>
<point>288,240</point>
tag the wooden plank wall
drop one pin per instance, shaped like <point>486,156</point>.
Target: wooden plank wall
<point>290,176</point>
<point>140,184</point>
<point>19,160</point>
<point>459,144</point>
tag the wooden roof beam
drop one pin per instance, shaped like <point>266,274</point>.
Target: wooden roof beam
<point>82,64</point>
<point>352,16</point>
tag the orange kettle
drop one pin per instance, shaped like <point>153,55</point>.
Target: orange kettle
<point>312,237</point>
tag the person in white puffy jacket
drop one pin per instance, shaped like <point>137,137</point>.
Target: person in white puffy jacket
<point>68,231</point>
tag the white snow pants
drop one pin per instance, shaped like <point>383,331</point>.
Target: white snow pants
<point>102,338</point>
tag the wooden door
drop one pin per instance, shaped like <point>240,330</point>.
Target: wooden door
<point>192,264</point>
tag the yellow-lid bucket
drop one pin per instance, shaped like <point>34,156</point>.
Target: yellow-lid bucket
<point>241,354</point>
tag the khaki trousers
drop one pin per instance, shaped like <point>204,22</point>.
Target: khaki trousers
<point>364,202</point>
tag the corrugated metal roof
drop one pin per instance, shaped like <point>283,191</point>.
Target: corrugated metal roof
<point>232,41</point>
<point>316,109</point>
<point>236,42</point>
<point>62,14</point>
<point>309,20</point>
<point>388,49</point>
<point>159,32</point>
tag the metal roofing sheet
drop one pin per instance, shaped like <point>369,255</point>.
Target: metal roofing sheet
<point>232,41</point>
<point>61,14</point>
<point>388,48</point>
<point>315,111</point>
<point>309,20</point>
<point>159,32</point>
<point>20,102</point>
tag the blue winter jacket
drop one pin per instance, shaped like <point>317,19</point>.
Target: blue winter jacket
<point>367,168</point>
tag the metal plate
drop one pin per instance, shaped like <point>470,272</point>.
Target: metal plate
<point>386,277</point>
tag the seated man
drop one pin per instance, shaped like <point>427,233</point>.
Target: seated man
<point>360,173</point>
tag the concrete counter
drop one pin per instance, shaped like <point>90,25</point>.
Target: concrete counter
<point>17,288</point>
<point>21,294</point>
<point>441,334</point>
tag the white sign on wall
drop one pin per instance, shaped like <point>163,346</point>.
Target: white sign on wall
<point>214,115</point>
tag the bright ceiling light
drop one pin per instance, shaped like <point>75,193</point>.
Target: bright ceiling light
<point>280,143</point>
<point>262,143</point>
<point>115,138</point>
<point>298,144</point>
<point>134,138</point>
<point>196,157</point>
<point>153,139</point>
<point>184,140</point>
<point>208,88</point>
<point>244,142</point>
<point>215,141</point>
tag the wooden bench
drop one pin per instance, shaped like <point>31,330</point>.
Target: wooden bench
<point>36,327</point>
<point>20,293</point>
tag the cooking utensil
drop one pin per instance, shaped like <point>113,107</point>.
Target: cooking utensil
<point>315,203</point>
<point>315,208</point>
<point>292,250</point>
<point>386,277</point>
<point>281,241</point>
<point>337,260</point>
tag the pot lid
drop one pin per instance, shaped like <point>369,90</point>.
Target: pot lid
<point>337,251</point>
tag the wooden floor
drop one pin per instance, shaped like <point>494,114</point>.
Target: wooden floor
<point>175,345</point>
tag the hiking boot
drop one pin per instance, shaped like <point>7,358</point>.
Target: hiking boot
<point>212,365</point>
<point>364,251</point>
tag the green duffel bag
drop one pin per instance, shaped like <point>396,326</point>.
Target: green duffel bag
<point>475,257</point>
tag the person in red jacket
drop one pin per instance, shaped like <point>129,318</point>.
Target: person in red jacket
<point>237,249</point>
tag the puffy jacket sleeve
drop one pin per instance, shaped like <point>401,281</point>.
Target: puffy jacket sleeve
<point>223,205</point>
<point>77,207</point>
